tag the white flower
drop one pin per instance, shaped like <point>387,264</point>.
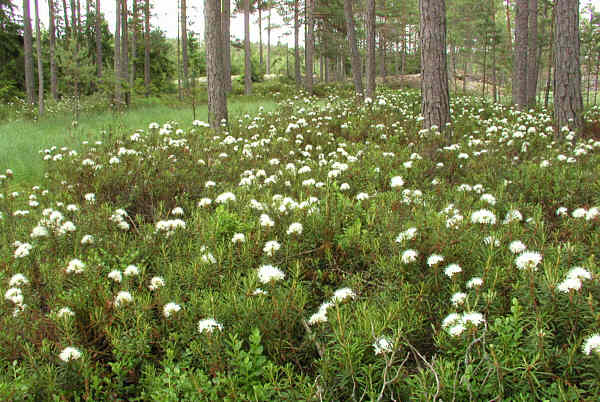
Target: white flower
<point>170,309</point>
<point>75,266</point>
<point>569,284</point>
<point>295,228</point>
<point>238,238</point>
<point>457,329</point>
<point>87,239</point>
<point>579,273</point>
<point>123,297</point>
<point>451,319</point>
<point>383,345</point>
<point>473,317</point>
<point>14,295</point>
<point>271,247</point>
<point>90,197</point>
<point>23,250</point>
<point>344,187</point>
<point>69,353</point>
<point>434,259</point>
<point>209,325</point>
<point>204,202</point>
<point>579,213</point>
<point>342,294</point>
<point>592,344</point>
<point>483,216</point>
<point>268,273</point>
<point>177,211</point>
<point>474,282</point>
<point>266,221</point>
<point>208,258</point>
<point>18,280</point>
<point>156,282</point>
<point>65,312</point>
<point>321,315</point>
<point>561,211</point>
<point>39,231</point>
<point>491,241</point>
<point>131,270</point>
<point>408,234</point>
<point>409,256</point>
<point>512,216</point>
<point>458,298</point>
<point>528,260</point>
<point>396,181</point>
<point>362,196</point>
<point>225,197</point>
<point>115,275</point>
<point>452,269</point>
<point>517,247</point>
<point>490,199</point>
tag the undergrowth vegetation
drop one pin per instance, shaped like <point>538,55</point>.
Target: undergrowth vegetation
<point>325,251</point>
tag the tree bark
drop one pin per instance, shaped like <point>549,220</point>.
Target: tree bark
<point>125,50</point>
<point>217,98</point>
<point>269,41</point>
<point>259,6</point>
<point>508,29</point>
<point>66,18</point>
<point>310,44</point>
<point>226,46</point>
<point>494,84</point>
<point>355,60</point>
<point>147,48</point>
<point>184,45</point>
<point>519,88</point>
<point>532,53</point>
<point>297,73</point>
<point>28,45</point>
<point>117,55</point>
<point>247,50</point>
<point>52,34</point>
<point>98,33</point>
<point>568,103</point>
<point>134,41</point>
<point>435,105</point>
<point>38,45</point>
<point>370,17</point>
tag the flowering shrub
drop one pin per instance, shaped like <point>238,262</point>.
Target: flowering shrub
<point>362,257</point>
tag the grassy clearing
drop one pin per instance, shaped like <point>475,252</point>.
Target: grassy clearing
<point>21,140</point>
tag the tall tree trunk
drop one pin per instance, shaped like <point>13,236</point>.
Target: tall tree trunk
<point>269,41</point>
<point>508,29</point>
<point>568,103</point>
<point>134,41</point>
<point>226,46</point>
<point>247,50</point>
<point>98,33</point>
<point>519,88</point>
<point>52,34</point>
<point>125,50</point>
<point>370,17</point>
<point>260,42</point>
<point>179,90</point>
<point>79,18</point>
<point>28,44</point>
<point>310,44</point>
<point>355,59</point>
<point>435,105</point>
<point>38,45</point>
<point>184,45</point>
<point>494,84</point>
<point>147,48</point>
<point>485,52</point>
<point>297,73</point>
<point>549,77</point>
<point>117,55</point>
<point>532,53</point>
<point>217,98</point>
<point>66,18</point>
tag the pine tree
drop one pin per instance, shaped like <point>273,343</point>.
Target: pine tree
<point>28,47</point>
<point>217,98</point>
<point>435,105</point>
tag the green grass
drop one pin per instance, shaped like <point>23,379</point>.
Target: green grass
<point>21,140</point>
